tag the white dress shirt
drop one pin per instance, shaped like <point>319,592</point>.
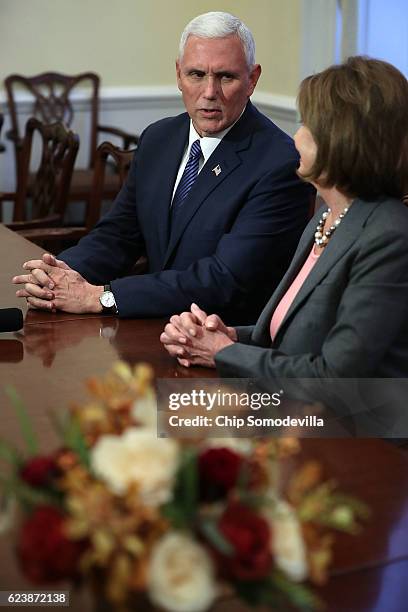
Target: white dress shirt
<point>208,145</point>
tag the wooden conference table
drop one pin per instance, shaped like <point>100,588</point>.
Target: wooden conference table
<point>50,359</point>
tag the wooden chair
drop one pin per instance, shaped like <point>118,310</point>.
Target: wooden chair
<point>48,192</point>
<point>52,94</point>
<point>122,159</point>
<point>58,237</point>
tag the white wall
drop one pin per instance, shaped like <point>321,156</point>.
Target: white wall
<point>135,42</point>
<point>132,44</point>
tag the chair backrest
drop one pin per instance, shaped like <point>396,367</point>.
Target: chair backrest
<point>51,94</point>
<point>122,159</point>
<point>48,188</point>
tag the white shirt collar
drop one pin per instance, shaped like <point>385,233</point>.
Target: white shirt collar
<point>208,146</point>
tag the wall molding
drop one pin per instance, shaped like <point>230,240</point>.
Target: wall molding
<point>278,107</point>
<point>132,109</point>
<point>130,98</point>
<point>110,97</point>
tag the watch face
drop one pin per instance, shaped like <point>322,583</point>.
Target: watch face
<point>108,299</point>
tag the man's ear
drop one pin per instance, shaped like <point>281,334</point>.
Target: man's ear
<point>253,78</point>
<point>178,74</point>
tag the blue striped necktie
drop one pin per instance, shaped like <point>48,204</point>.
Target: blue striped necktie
<point>188,178</point>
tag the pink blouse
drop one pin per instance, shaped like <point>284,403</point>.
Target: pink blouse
<point>285,303</point>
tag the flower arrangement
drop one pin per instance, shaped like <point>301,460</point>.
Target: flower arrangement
<point>181,524</point>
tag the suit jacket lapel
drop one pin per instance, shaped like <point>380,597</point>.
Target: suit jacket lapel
<point>226,156</point>
<point>347,233</point>
<point>170,155</point>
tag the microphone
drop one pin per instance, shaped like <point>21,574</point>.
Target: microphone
<point>11,319</point>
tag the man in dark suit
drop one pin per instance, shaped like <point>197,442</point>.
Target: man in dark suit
<point>212,198</point>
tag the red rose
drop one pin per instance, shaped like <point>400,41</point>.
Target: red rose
<point>38,471</point>
<point>44,551</point>
<point>250,537</point>
<point>219,470</point>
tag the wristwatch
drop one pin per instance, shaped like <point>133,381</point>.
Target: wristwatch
<point>107,300</point>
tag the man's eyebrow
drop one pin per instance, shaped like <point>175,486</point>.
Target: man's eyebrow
<point>193,69</point>
<point>230,73</point>
<point>218,73</point>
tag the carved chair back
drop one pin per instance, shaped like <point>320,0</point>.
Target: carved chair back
<point>122,159</point>
<point>51,95</point>
<point>48,189</point>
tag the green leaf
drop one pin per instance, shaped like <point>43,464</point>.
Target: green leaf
<point>59,421</point>
<point>74,439</point>
<point>9,454</point>
<point>174,514</point>
<point>278,593</point>
<point>210,529</point>
<point>24,420</point>
<point>188,481</point>
<point>182,509</point>
<point>27,495</point>
<point>299,595</point>
<point>260,592</point>
<point>5,483</point>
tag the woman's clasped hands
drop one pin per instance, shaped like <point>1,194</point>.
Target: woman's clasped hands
<point>194,337</point>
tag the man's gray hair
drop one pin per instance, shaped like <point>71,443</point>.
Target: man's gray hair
<point>217,24</point>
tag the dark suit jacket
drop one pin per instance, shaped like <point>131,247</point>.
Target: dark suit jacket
<point>350,317</point>
<point>231,243</point>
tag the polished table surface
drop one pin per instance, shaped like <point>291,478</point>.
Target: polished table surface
<point>48,361</point>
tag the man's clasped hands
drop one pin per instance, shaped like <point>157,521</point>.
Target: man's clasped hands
<point>193,337</point>
<point>50,284</point>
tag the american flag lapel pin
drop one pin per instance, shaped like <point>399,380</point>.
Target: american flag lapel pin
<point>217,170</point>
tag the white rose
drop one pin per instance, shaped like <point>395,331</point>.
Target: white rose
<point>181,575</point>
<point>137,456</point>
<point>288,545</point>
<point>144,410</point>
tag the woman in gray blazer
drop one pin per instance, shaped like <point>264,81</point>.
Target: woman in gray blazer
<point>341,309</point>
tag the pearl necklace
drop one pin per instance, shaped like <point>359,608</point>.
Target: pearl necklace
<point>322,237</point>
